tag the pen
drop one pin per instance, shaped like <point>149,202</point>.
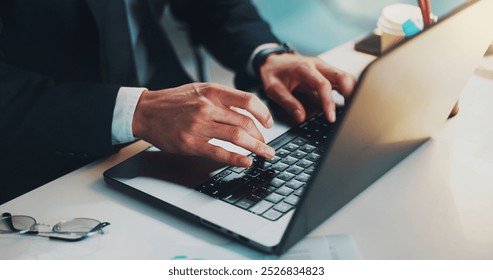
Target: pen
<point>425,7</point>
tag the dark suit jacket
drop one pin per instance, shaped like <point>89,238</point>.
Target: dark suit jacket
<point>61,68</point>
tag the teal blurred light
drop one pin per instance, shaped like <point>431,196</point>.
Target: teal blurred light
<point>314,26</point>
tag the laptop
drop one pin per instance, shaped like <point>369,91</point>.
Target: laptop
<point>400,100</point>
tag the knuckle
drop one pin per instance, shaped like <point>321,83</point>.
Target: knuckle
<point>215,152</point>
<point>247,124</point>
<point>318,62</point>
<point>320,84</point>
<point>302,66</point>
<point>202,106</point>
<point>339,76</point>
<point>203,89</point>
<point>210,88</point>
<point>235,134</point>
<point>271,87</point>
<point>186,140</point>
<point>229,157</point>
<point>194,125</point>
<point>207,87</point>
<point>247,99</point>
<point>220,154</point>
<point>325,88</point>
<point>235,159</point>
<point>319,80</point>
<point>196,88</point>
<point>259,146</point>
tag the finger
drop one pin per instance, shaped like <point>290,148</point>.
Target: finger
<point>322,86</point>
<point>278,92</point>
<point>239,137</point>
<point>230,117</point>
<point>245,100</point>
<point>341,80</point>
<point>328,103</point>
<point>220,154</point>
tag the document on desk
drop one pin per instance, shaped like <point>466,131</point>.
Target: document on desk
<point>331,247</point>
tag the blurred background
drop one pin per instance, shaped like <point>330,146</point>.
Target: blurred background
<point>312,26</point>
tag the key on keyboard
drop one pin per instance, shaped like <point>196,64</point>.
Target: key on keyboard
<point>272,187</point>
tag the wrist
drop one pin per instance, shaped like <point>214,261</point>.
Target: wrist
<point>261,57</point>
<point>138,118</point>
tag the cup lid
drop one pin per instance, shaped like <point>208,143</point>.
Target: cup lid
<point>400,13</point>
<point>387,27</point>
<point>395,15</point>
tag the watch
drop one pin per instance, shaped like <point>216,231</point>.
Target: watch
<point>260,58</point>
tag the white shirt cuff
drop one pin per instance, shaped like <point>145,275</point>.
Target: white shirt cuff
<point>260,48</point>
<point>126,102</point>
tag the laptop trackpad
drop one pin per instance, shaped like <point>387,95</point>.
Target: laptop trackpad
<point>169,177</point>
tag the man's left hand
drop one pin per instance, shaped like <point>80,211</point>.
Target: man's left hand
<point>281,74</point>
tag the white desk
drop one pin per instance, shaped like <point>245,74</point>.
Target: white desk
<point>436,204</point>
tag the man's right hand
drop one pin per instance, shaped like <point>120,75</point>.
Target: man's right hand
<point>184,119</point>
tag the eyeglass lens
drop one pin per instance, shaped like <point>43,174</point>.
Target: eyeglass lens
<point>78,225</point>
<point>18,223</point>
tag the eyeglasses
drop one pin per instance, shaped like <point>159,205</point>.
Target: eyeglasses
<point>67,230</point>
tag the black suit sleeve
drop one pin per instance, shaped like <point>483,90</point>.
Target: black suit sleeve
<point>40,115</point>
<point>229,29</point>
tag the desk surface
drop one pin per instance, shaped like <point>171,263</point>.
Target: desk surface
<point>436,204</point>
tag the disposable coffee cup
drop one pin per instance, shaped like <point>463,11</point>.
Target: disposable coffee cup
<point>391,21</point>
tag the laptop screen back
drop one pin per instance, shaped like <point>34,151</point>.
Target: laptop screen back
<point>400,101</point>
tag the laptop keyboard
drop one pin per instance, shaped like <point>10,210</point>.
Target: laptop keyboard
<point>272,187</point>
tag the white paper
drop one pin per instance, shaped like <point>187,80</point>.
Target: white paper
<point>331,247</point>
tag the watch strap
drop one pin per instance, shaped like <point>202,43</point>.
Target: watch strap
<point>260,57</point>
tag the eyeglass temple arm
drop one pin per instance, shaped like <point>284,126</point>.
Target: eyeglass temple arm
<point>95,229</point>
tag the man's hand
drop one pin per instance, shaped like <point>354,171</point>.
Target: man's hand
<point>283,73</point>
<point>183,120</point>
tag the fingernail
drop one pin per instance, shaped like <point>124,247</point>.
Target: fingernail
<point>246,162</point>
<point>298,115</point>
<point>332,116</point>
<point>269,152</point>
<point>270,122</point>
